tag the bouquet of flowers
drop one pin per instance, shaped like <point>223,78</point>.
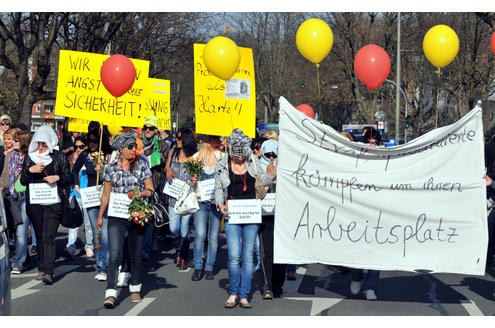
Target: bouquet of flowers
<point>98,158</point>
<point>194,167</point>
<point>140,211</point>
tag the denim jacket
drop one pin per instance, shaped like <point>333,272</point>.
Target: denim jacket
<point>222,180</point>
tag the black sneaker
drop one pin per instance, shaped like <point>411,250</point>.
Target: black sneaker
<point>197,275</point>
<point>209,275</point>
<point>267,295</point>
<point>47,279</point>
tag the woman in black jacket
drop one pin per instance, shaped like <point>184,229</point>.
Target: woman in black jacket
<point>45,166</point>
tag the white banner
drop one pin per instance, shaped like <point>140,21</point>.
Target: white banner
<point>244,211</point>
<point>417,206</point>
<point>43,193</point>
<point>90,196</point>
<point>118,206</point>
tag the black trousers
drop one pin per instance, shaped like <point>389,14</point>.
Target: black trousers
<point>45,220</point>
<point>273,274</point>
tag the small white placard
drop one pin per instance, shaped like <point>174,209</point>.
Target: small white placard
<point>237,89</point>
<point>244,211</point>
<point>119,205</point>
<point>174,188</point>
<point>43,193</point>
<point>268,204</point>
<point>206,189</point>
<point>91,196</point>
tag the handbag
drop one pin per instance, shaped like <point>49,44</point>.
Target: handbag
<point>187,202</point>
<point>71,213</point>
<point>161,216</point>
<point>261,190</point>
<point>18,185</point>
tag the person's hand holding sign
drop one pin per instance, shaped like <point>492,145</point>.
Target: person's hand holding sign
<point>51,179</point>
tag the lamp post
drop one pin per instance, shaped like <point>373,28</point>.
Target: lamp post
<point>398,111</point>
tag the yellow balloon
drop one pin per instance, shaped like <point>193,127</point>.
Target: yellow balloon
<point>222,57</point>
<point>440,45</point>
<point>314,40</point>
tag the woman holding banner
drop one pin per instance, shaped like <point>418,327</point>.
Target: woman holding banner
<point>126,173</point>
<point>45,165</point>
<point>235,176</point>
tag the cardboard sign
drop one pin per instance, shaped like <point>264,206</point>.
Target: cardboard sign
<point>221,106</point>
<point>91,196</point>
<point>119,205</point>
<point>174,188</point>
<point>244,211</point>
<point>268,204</point>
<point>206,189</point>
<point>43,193</point>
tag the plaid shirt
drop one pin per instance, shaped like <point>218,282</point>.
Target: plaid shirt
<point>125,181</point>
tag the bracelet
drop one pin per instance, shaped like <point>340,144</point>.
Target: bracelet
<point>150,191</point>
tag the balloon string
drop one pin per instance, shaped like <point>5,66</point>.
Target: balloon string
<point>437,96</point>
<point>318,91</point>
<point>372,107</point>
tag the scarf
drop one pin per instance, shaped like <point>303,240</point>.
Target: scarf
<point>46,134</point>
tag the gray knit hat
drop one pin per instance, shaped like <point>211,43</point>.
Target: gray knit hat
<point>239,144</point>
<point>123,140</point>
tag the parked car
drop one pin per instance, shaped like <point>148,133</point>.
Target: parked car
<point>5,293</point>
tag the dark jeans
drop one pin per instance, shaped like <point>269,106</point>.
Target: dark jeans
<point>273,274</point>
<point>45,220</point>
<point>491,237</point>
<point>117,231</point>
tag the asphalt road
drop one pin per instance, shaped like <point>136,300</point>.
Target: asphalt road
<point>318,291</point>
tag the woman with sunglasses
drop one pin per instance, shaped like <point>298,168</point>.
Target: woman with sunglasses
<point>45,164</point>
<point>235,177</point>
<point>17,198</point>
<point>127,173</point>
<point>273,274</point>
<point>175,169</point>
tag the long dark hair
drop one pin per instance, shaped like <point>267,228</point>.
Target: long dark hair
<point>189,144</point>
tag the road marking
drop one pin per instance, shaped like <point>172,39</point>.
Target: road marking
<point>25,289</point>
<point>322,299</point>
<point>471,308</point>
<point>140,306</point>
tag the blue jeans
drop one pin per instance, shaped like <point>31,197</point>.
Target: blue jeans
<point>101,254</point>
<point>240,246</point>
<point>179,228</point>
<point>207,215</point>
<point>370,281</point>
<point>21,234</point>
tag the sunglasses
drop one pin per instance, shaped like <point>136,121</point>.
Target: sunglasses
<point>80,146</point>
<point>270,154</point>
<point>92,141</point>
<point>132,146</point>
<point>178,137</point>
<point>258,147</point>
<point>150,128</point>
<point>5,123</point>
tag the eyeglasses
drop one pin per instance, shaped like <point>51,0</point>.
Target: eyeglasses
<point>132,146</point>
<point>270,154</point>
<point>42,145</point>
<point>92,141</point>
<point>80,146</point>
<point>150,128</point>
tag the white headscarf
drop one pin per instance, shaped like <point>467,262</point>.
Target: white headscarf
<point>267,147</point>
<point>46,134</point>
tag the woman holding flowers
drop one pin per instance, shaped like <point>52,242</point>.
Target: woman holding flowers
<point>127,173</point>
<point>235,177</point>
<point>176,169</point>
<point>208,218</point>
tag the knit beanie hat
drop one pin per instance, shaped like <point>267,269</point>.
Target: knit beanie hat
<point>123,140</point>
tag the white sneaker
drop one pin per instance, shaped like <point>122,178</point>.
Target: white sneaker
<point>123,280</point>
<point>370,295</point>
<point>102,276</point>
<point>355,287</point>
<point>90,252</point>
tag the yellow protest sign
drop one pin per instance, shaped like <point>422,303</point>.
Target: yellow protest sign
<point>80,93</point>
<point>77,125</point>
<point>221,106</point>
<point>157,102</point>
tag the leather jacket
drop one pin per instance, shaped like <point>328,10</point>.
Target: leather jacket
<point>59,166</point>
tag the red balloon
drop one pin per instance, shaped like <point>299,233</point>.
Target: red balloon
<point>493,42</point>
<point>306,109</point>
<point>118,74</point>
<point>372,65</point>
